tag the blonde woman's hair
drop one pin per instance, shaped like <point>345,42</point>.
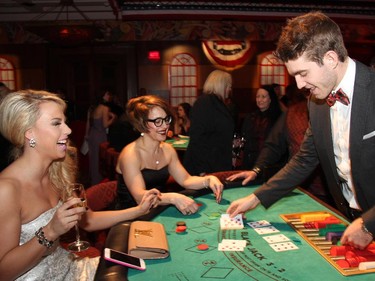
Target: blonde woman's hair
<point>19,112</point>
<point>217,83</point>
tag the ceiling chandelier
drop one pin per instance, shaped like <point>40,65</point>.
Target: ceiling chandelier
<point>62,31</point>
<point>64,7</point>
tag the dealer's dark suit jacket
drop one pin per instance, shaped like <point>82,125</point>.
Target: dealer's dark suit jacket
<point>318,147</point>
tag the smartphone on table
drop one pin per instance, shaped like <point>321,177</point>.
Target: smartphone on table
<point>124,259</point>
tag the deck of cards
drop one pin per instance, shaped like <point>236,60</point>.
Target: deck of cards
<point>227,222</point>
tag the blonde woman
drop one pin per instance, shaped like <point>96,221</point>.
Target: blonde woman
<point>32,213</point>
<point>212,128</point>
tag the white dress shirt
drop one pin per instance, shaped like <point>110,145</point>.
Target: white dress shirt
<point>340,125</point>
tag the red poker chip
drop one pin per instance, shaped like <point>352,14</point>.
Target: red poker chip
<point>203,247</point>
<point>181,228</point>
<point>343,264</point>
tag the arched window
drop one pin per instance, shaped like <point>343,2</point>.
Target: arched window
<point>7,74</point>
<point>183,79</point>
<point>272,71</point>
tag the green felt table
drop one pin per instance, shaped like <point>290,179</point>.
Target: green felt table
<point>257,262</point>
<point>179,143</point>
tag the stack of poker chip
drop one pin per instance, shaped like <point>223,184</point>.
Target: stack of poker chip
<point>181,227</point>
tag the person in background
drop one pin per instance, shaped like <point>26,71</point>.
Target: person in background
<point>4,90</point>
<point>5,145</point>
<point>281,96</point>
<point>149,161</point>
<point>182,124</point>
<point>99,119</point>
<point>257,124</point>
<point>121,133</point>
<point>282,143</point>
<point>212,128</point>
<point>341,130</point>
<point>33,214</point>
<point>233,109</point>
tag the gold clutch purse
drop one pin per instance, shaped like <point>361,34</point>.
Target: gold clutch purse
<point>147,240</point>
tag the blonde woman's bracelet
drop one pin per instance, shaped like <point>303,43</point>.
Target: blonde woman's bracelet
<point>42,239</point>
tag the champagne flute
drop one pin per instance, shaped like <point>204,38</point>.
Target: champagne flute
<point>77,190</point>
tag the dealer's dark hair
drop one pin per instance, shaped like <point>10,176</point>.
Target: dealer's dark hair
<point>313,34</point>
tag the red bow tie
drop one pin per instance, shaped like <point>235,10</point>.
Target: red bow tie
<point>338,96</point>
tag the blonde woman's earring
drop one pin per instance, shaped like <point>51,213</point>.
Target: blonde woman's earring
<point>32,143</point>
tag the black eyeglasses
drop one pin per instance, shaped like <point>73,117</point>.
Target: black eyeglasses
<point>158,122</point>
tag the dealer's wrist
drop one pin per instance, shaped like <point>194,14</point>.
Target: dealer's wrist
<point>256,170</point>
<point>365,230</point>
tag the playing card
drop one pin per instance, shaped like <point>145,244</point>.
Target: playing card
<point>256,224</point>
<point>231,223</point>
<point>283,246</point>
<point>266,230</point>
<point>233,242</point>
<point>277,238</point>
<point>228,247</point>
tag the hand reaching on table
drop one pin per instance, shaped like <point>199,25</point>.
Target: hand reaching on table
<point>216,186</point>
<point>150,199</point>
<point>356,236</point>
<point>246,175</point>
<point>242,205</point>
<point>184,204</point>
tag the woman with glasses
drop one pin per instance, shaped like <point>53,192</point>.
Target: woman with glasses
<point>149,161</point>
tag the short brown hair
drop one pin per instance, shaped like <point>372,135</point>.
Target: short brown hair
<point>314,34</point>
<point>137,110</point>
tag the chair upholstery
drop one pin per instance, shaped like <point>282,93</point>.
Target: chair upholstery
<point>101,195</point>
<point>99,198</point>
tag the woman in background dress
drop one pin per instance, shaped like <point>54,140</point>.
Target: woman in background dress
<point>212,128</point>
<point>100,118</point>
<point>258,124</point>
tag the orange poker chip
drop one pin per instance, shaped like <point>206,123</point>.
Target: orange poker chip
<point>203,247</point>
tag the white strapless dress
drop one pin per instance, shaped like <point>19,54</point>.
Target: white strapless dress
<point>59,264</point>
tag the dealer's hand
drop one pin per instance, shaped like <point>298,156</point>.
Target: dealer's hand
<point>354,235</point>
<point>242,205</point>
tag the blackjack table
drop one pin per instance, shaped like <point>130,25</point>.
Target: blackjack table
<point>259,260</point>
<point>179,143</point>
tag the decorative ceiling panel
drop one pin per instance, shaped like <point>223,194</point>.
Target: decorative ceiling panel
<point>63,10</point>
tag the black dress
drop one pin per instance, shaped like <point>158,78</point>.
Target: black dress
<point>153,179</point>
<point>255,128</point>
<point>211,136</point>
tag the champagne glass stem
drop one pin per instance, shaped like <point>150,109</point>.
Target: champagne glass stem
<point>78,237</point>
